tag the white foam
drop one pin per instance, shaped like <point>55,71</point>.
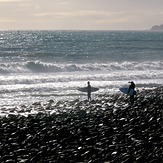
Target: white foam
<point>27,87</point>
<point>42,67</point>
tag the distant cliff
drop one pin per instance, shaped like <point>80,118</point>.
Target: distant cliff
<point>157,27</point>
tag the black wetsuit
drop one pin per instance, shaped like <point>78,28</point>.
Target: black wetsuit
<point>131,87</point>
<point>89,91</point>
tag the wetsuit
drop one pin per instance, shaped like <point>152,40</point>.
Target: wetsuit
<point>131,92</point>
<point>89,91</point>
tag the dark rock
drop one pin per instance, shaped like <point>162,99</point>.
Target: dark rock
<point>107,130</point>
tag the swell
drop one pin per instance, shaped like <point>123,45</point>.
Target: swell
<point>41,67</point>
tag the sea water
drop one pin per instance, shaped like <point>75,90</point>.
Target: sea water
<point>42,65</point>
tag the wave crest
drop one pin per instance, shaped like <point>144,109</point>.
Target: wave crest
<point>40,67</point>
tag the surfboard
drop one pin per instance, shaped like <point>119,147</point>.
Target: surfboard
<point>84,89</point>
<point>125,90</point>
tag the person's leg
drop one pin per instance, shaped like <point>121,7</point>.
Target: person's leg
<point>89,96</point>
<point>132,99</point>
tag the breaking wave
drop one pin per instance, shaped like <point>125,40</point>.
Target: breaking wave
<point>40,67</point>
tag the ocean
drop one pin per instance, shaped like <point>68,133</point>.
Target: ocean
<point>37,66</point>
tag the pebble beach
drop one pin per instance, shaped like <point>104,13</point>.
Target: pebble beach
<point>106,130</point>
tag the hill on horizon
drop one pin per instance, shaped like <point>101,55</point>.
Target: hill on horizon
<point>157,27</point>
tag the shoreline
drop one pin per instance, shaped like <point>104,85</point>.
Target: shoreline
<point>108,129</point>
<point>65,105</point>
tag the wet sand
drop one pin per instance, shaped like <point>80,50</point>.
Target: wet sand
<point>108,129</point>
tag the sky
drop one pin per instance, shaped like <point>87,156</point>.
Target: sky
<point>80,14</point>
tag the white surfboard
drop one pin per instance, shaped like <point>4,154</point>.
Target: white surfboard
<point>85,89</point>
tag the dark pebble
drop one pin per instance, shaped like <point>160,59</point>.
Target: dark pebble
<point>106,130</point>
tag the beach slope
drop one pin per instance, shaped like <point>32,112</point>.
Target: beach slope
<point>108,129</point>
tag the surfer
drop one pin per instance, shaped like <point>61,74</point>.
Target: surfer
<point>89,91</point>
<point>131,91</point>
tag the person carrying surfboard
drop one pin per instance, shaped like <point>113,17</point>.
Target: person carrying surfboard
<point>89,91</point>
<point>131,91</point>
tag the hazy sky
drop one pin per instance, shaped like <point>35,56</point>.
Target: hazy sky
<point>80,14</point>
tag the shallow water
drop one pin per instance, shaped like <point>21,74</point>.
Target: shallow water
<point>42,65</point>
